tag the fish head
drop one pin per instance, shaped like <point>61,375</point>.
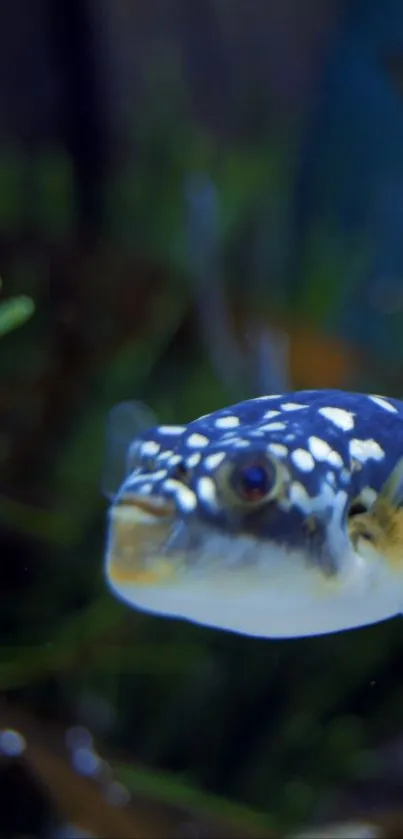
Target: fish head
<point>244,528</point>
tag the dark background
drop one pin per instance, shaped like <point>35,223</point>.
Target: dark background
<point>182,181</point>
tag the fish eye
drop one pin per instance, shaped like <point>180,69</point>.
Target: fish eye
<point>254,482</point>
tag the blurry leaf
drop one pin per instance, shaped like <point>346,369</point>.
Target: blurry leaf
<point>180,793</point>
<point>15,312</point>
<point>348,830</point>
<point>100,636</point>
<point>37,523</point>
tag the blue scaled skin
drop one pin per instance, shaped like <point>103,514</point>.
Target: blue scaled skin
<point>280,516</point>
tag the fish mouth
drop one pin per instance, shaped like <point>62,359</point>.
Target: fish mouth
<point>139,526</point>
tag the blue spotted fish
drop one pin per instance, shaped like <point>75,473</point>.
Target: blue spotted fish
<point>280,516</point>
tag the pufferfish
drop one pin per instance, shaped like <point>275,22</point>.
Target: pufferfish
<point>278,517</point>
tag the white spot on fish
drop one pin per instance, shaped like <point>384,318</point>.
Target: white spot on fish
<point>292,406</point>
<point>197,441</point>
<point>273,426</point>
<point>174,460</point>
<point>227,422</point>
<point>206,490</point>
<point>299,496</point>
<point>270,414</point>
<point>193,460</point>
<point>184,496</point>
<point>147,488</point>
<point>214,460</point>
<point>322,451</point>
<point>303,460</point>
<point>149,448</point>
<point>278,449</point>
<point>364,450</point>
<point>158,476</point>
<point>368,496</point>
<point>165,455</point>
<point>311,504</point>
<point>383,403</point>
<point>335,459</point>
<point>186,499</point>
<point>240,443</point>
<point>339,417</point>
<point>319,448</point>
<point>168,430</point>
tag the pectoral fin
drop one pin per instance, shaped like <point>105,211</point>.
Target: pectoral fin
<point>380,529</point>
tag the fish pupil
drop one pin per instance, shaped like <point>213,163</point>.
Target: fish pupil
<point>255,482</point>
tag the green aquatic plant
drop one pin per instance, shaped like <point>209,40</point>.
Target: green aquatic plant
<point>15,312</point>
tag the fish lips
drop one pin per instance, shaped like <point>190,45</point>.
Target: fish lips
<point>139,526</point>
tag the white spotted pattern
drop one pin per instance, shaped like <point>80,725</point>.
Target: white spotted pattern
<point>292,406</point>
<point>278,449</point>
<point>227,422</point>
<point>173,430</point>
<point>339,417</point>
<point>206,491</point>
<point>165,455</point>
<point>299,496</point>
<point>368,496</point>
<point>270,414</point>
<point>383,403</point>
<point>197,441</point>
<point>147,488</point>
<point>214,460</point>
<point>321,451</point>
<point>363,450</point>
<point>159,475</point>
<point>184,496</point>
<point>174,460</point>
<point>150,448</point>
<point>193,460</point>
<point>331,478</point>
<point>303,460</point>
<point>273,426</point>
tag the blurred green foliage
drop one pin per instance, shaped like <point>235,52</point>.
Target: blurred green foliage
<point>14,313</point>
<point>276,727</point>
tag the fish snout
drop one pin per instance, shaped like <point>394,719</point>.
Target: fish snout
<point>138,527</point>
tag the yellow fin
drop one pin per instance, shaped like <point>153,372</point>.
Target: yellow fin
<point>380,528</point>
